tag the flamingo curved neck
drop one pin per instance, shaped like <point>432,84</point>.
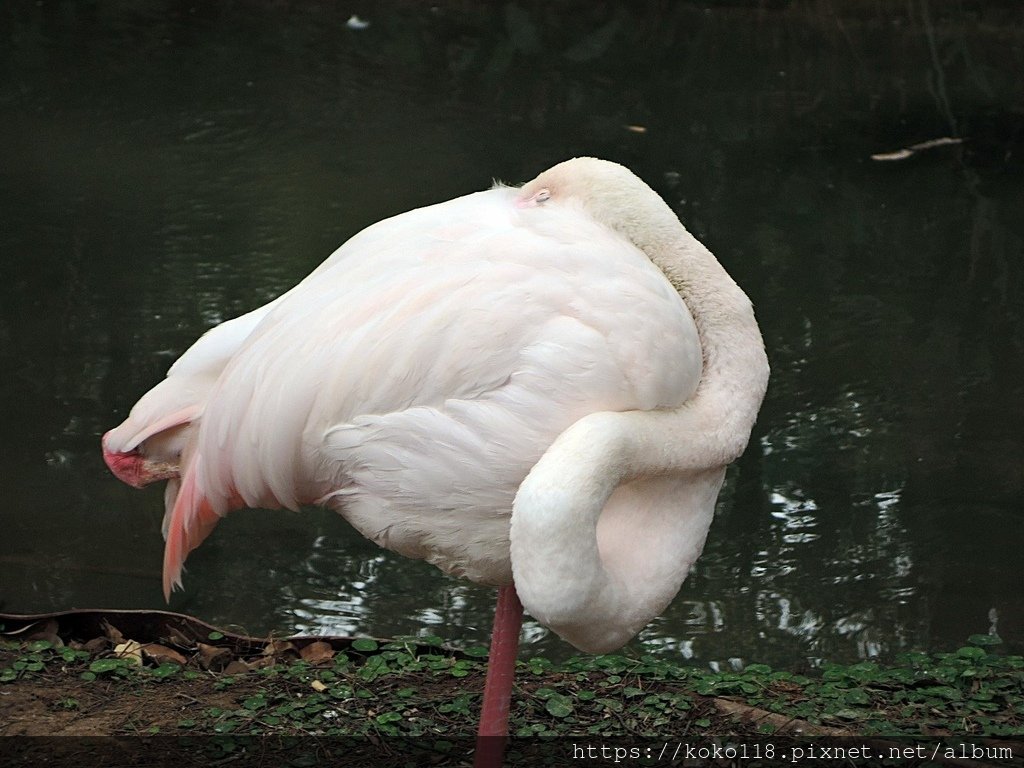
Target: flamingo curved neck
<point>569,576</point>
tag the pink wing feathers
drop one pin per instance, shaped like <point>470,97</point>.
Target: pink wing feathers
<point>413,378</point>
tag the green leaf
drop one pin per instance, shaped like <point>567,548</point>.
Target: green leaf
<point>984,640</point>
<point>364,645</point>
<point>477,651</point>
<point>539,665</point>
<point>559,706</point>
<point>849,714</point>
<point>255,702</point>
<point>944,692</point>
<point>613,705</point>
<point>165,670</point>
<point>215,635</point>
<point>972,652</point>
<point>105,665</point>
<point>866,670</point>
<point>856,696</point>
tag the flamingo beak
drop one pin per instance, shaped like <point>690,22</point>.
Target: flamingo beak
<point>134,469</point>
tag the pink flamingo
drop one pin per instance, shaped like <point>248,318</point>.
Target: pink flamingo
<point>537,388</point>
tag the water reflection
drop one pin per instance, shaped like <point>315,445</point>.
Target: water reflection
<point>167,169</point>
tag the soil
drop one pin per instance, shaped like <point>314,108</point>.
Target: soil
<point>196,695</point>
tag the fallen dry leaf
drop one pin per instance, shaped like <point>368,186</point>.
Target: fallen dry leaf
<point>213,658</point>
<point>161,654</point>
<point>317,652</point>
<point>112,632</point>
<point>175,636</point>
<point>96,645</point>
<point>280,648</point>
<point>129,649</point>
<point>318,686</point>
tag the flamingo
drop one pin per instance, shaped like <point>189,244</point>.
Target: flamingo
<point>537,388</point>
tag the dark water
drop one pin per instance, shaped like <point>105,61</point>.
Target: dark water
<point>167,166</point>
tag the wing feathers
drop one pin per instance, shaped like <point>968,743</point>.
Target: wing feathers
<point>414,377</point>
<point>189,518</point>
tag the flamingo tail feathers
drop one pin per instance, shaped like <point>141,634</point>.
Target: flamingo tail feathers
<point>192,518</point>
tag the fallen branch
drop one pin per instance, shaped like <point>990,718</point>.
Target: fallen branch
<point>784,725</point>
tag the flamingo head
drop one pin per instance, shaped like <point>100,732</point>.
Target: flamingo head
<point>139,458</point>
<point>135,468</point>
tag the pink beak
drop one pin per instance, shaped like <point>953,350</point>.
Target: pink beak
<point>135,469</point>
<point>127,467</point>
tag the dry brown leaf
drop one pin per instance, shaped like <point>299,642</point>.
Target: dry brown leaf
<point>317,652</point>
<point>318,686</point>
<point>96,645</point>
<point>161,654</point>
<point>112,632</point>
<point>280,648</point>
<point>236,667</point>
<point>213,658</point>
<point>177,637</point>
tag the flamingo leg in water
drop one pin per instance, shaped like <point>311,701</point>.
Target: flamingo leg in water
<point>501,668</point>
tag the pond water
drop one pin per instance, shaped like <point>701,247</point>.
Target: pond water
<point>164,167</point>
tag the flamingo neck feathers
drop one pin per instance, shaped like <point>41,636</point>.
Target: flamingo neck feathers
<point>713,427</point>
<point>559,560</point>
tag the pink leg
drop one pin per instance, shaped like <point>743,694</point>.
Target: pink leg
<point>501,668</point>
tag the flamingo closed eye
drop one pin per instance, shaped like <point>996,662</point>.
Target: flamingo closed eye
<point>539,386</point>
